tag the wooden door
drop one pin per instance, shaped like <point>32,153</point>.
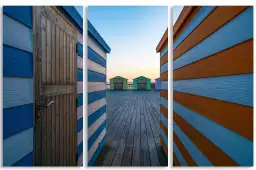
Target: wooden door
<point>142,84</point>
<point>55,81</point>
<point>118,84</point>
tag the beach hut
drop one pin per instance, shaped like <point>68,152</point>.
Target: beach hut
<point>157,84</point>
<point>97,58</point>
<point>118,83</point>
<point>141,83</point>
<point>42,86</point>
<point>211,87</point>
<point>162,48</point>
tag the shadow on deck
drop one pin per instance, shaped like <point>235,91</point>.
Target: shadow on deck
<point>133,130</point>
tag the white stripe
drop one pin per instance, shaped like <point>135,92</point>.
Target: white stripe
<point>17,91</point>
<point>17,146</point>
<point>96,48</point>
<point>79,137</point>
<point>79,87</point>
<point>96,144</point>
<point>96,105</point>
<point>79,112</point>
<point>96,125</point>
<point>79,62</point>
<point>80,38</point>
<point>96,67</point>
<point>17,35</point>
<point>96,86</point>
<point>80,160</point>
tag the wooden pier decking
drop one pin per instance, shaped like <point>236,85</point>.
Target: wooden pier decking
<point>132,130</point>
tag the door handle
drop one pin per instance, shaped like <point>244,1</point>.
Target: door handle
<point>44,106</point>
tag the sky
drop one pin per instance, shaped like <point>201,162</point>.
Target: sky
<point>132,34</point>
<point>176,12</point>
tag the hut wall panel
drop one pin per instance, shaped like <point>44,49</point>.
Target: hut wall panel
<point>96,100</point>
<point>79,97</point>
<point>163,99</point>
<point>17,86</point>
<point>212,78</point>
<point>157,84</point>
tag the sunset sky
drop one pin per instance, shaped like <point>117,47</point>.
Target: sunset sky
<point>132,34</point>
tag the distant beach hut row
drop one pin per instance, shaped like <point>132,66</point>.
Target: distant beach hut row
<point>139,83</point>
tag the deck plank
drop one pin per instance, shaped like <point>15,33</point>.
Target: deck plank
<point>133,125</point>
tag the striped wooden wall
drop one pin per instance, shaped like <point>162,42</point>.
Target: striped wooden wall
<point>96,61</point>
<point>213,86</point>
<point>17,86</point>
<point>80,98</point>
<point>163,49</point>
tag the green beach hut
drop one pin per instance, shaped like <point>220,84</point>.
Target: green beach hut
<point>141,83</point>
<point>118,83</point>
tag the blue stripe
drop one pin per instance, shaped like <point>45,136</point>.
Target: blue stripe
<point>236,31</point>
<point>79,49</point>
<point>199,17</point>
<point>22,14</point>
<point>17,35</point>
<point>79,124</point>
<point>179,155</point>
<point>164,120</point>
<point>97,37</point>
<point>94,96</point>
<point>164,67</point>
<point>236,88</point>
<point>25,161</point>
<point>164,85</point>
<point>96,134</point>
<point>162,53</point>
<point>97,152</point>
<point>92,55</point>
<point>235,146</point>
<point>96,115</point>
<point>17,91</point>
<point>73,16</point>
<point>79,99</point>
<point>17,63</point>
<point>164,137</point>
<point>195,153</point>
<point>96,77</point>
<point>17,119</point>
<point>80,149</point>
<point>79,74</point>
<point>164,102</point>
<point>17,146</point>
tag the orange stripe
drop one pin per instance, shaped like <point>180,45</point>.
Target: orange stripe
<point>215,155</point>
<point>214,21</point>
<point>164,94</point>
<point>162,42</point>
<point>164,146</point>
<point>164,59</point>
<point>237,118</point>
<point>164,111</point>
<point>175,160</point>
<point>164,76</point>
<point>162,126</point>
<point>183,151</point>
<point>184,18</point>
<point>239,60</point>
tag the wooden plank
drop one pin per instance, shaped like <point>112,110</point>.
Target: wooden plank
<point>64,57</point>
<point>239,59</point>
<point>53,64</point>
<point>54,90</point>
<point>57,126</point>
<point>164,76</point>
<point>208,26</point>
<point>164,59</point>
<point>49,133</point>
<point>57,55</point>
<point>61,57</point>
<point>53,130</point>
<point>61,131</point>
<point>43,49</point>
<point>48,52</point>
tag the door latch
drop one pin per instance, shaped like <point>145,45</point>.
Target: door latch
<point>42,106</point>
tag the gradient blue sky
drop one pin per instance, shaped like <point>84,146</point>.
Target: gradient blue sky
<point>132,32</point>
<point>175,13</point>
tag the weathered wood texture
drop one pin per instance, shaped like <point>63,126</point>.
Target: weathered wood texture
<point>133,128</point>
<point>56,81</point>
